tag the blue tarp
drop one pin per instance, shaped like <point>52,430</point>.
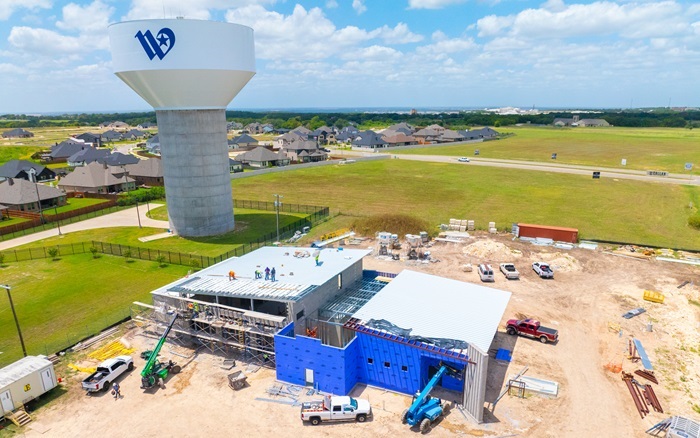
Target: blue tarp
<point>503,354</point>
<point>642,354</point>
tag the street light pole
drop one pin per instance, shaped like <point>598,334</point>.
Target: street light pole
<point>277,209</point>
<point>12,306</point>
<point>126,183</point>
<point>58,221</point>
<point>38,198</point>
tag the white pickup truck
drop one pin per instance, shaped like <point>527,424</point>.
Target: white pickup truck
<point>107,372</point>
<point>510,271</point>
<point>336,409</point>
<point>543,270</point>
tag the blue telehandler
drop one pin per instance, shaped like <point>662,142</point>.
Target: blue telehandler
<point>426,409</point>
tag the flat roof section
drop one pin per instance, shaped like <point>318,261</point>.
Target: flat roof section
<point>437,307</point>
<point>295,267</point>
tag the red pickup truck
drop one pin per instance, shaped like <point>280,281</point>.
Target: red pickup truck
<point>532,328</point>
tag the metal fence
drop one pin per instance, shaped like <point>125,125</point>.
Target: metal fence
<point>318,215</point>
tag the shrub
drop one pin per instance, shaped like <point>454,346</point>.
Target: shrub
<point>53,253</point>
<point>694,221</point>
<point>127,255</point>
<point>194,263</point>
<point>93,250</point>
<point>161,261</point>
<point>2,259</point>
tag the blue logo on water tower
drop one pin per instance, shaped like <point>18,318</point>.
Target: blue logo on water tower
<point>160,45</point>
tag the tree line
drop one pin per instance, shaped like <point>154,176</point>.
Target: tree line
<point>454,120</point>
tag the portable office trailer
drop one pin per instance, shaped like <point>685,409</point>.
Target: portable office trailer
<point>25,380</point>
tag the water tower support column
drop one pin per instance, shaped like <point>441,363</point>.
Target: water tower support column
<point>194,151</point>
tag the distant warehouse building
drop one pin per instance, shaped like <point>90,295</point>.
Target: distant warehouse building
<point>333,325</point>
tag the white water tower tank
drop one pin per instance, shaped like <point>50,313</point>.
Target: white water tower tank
<point>189,71</point>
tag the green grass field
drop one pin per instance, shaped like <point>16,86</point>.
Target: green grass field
<point>623,210</point>
<point>74,204</point>
<point>60,302</point>
<point>250,225</point>
<point>12,221</point>
<point>644,148</point>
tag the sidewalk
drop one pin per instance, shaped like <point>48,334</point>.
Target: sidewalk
<point>124,218</point>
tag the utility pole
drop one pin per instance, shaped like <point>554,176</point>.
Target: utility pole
<point>58,221</point>
<point>12,306</point>
<point>34,179</point>
<point>126,184</point>
<point>277,209</point>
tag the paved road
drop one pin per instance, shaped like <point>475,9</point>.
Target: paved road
<point>123,218</point>
<point>638,175</point>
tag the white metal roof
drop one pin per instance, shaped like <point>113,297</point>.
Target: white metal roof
<point>22,368</point>
<point>437,307</point>
<point>296,276</point>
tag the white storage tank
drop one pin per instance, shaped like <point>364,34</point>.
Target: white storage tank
<point>25,380</point>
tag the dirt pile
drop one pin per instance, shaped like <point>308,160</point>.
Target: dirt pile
<point>490,251</point>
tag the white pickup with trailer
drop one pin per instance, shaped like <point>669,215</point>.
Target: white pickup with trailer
<point>106,373</point>
<point>333,408</point>
<point>23,381</point>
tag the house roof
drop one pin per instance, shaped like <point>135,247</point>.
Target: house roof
<point>118,159</point>
<point>260,154</point>
<point>453,309</point>
<point>296,276</point>
<point>88,137</point>
<point>232,162</point>
<point>134,133</point>
<point>368,138</point>
<point>17,132</point>
<point>301,145</point>
<point>13,167</point>
<point>153,140</point>
<point>426,132</point>
<point>401,127</point>
<point>21,191</point>
<point>92,175</point>
<point>292,136</point>
<point>449,134</point>
<point>303,130</point>
<point>22,368</point>
<point>112,135</point>
<point>88,155</point>
<point>243,138</point>
<point>150,167</point>
<point>399,137</point>
<point>66,148</point>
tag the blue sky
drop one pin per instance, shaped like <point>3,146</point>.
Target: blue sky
<point>54,54</point>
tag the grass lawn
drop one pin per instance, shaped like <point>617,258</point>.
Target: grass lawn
<point>623,210</point>
<point>644,148</point>
<point>250,225</point>
<point>12,221</point>
<point>74,204</point>
<point>60,302</point>
<point>8,153</point>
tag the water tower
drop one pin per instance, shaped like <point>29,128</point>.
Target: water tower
<point>189,71</point>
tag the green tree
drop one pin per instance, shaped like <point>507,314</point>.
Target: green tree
<point>127,255</point>
<point>161,261</point>
<point>53,253</point>
<point>93,250</point>
<point>316,123</point>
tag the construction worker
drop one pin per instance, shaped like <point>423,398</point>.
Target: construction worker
<point>258,274</point>
<point>272,274</point>
<point>267,273</point>
<point>231,275</point>
<point>116,391</point>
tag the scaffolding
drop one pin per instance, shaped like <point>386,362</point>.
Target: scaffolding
<point>220,329</point>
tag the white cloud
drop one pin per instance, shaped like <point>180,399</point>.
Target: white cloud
<point>6,68</point>
<point>359,6</point>
<point>492,25</point>
<point>446,46</point>
<point>374,53</point>
<point>197,9</point>
<point>331,4</point>
<point>399,34</point>
<point>49,42</point>
<point>432,4</point>
<point>557,20</point>
<point>8,7</point>
<point>94,17</point>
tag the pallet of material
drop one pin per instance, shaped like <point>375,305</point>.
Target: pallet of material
<point>653,296</point>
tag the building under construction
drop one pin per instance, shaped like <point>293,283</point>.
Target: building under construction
<point>325,322</point>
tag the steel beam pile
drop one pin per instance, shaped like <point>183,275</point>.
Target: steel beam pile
<point>649,375</point>
<point>644,397</point>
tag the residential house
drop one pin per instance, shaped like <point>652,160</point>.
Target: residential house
<point>17,133</point>
<point>21,195</point>
<point>115,125</point>
<point>304,151</point>
<point>26,170</point>
<point>133,134</point>
<point>87,156</point>
<point>111,135</point>
<point>146,125</point>
<point>592,122</point>
<point>96,178</point>
<point>563,121</point>
<point>437,128</point>
<point>234,166</point>
<point>254,128</point>
<point>89,139</point>
<point>283,140</point>
<point>427,136</point>
<point>369,139</point>
<point>60,152</point>
<point>485,133</point>
<point>118,159</point>
<point>268,128</point>
<point>323,135</point>
<point>302,130</point>
<point>347,134</point>
<point>148,172</point>
<point>233,126</point>
<point>153,145</point>
<point>243,141</point>
<point>449,136</point>
<point>263,157</point>
<point>400,139</point>
<point>402,127</point>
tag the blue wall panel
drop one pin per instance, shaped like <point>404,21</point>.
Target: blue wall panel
<point>366,359</point>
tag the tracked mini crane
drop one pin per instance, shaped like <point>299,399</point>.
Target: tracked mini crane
<point>155,371</point>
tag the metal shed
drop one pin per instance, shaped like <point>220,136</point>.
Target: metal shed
<point>25,380</point>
